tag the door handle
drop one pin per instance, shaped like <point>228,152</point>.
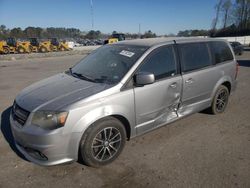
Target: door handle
<point>189,81</point>
<point>173,85</point>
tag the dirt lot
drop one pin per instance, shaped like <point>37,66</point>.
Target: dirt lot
<point>83,50</point>
<point>199,151</point>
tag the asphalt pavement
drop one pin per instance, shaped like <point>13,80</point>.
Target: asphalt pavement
<point>201,150</point>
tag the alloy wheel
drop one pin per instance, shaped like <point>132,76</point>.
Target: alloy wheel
<point>221,100</point>
<point>106,144</point>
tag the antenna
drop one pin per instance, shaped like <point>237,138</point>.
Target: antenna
<point>92,13</point>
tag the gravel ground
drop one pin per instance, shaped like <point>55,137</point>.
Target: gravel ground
<point>83,50</point>
<point>199,151</point>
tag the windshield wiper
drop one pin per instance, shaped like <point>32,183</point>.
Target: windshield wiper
<point>69,71</point>
<point>81,76</point>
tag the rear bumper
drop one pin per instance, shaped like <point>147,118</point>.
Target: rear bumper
<point>45,148</point>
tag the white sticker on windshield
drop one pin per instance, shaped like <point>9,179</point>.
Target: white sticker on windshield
<point>127,53</point>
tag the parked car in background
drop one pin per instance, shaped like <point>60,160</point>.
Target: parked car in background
<point>118,92</point>
<point>237,47</point>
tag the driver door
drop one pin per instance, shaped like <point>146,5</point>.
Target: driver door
<point>157,104</point>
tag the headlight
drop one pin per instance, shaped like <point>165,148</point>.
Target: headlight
<point>49,120</point>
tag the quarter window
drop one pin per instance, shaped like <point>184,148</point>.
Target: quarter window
<point>161,63</point>
<point>221,52</point>
<point>194,56</point>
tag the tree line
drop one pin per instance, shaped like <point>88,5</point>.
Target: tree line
<point>61,33</point>
<point>38,32</point>
<point>232,18</point>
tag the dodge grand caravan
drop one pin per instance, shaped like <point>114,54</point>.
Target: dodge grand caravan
<point>118,92</point>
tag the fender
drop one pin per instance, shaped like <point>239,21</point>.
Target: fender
<point>101,112</point>
<point>94,115</point>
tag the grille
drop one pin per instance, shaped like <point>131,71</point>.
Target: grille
<point>19,114</point>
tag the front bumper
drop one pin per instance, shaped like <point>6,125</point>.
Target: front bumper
<point>45,148</point>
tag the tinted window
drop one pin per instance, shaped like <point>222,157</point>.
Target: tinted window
<point>161,63</point>
<point>194,56</point>
<point>221,52</point>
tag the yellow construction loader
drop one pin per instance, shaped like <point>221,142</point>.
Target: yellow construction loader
<point>59,46</point>
<point>13,46</point>
<point>3,47</point>
<point>115,38</point>
<point>38,46</point>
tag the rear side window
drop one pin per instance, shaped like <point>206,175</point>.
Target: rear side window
<point>194,56</point>
<point>161,62</point>
<point>221,52</point>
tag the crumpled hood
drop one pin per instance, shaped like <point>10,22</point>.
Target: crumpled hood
<point>56,92</point>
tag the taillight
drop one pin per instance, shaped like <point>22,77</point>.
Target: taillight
<point>237,70</point>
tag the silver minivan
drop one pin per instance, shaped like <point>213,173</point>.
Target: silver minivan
<point>118,92</point>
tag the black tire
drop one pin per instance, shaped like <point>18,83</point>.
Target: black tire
<point>30,49</point>
<point>220,100</point>
<point>6,50</point>
<point>62,49</point>
<point>43,50</point>
<point>21,50</point>
<point>53,48</point>
<point>102,143</point>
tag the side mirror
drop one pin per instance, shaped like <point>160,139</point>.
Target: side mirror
<point>144,78</point>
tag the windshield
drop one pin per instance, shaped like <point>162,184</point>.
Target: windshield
<point>108,64</point>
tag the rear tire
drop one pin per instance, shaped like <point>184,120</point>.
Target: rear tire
<point>220,100</point>
<point>103,142</point>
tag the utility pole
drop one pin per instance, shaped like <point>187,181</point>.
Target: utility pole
<point>92,13</point>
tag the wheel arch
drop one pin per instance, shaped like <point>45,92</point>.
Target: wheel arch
<point>98,114</point>
<point>226,81</point>
<point>82,118</point>
<point>120,118</point>
<point>228,85</point>
<point>82,134</point>
<point>125,123</point>
<point>82,155</point>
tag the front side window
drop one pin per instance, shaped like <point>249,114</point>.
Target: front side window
<point>108,64</point>
<point>221,52</point>
<point>161,63</point>
<point>194,56</point>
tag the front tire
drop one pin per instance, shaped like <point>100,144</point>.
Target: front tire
<point>220,100</point>
<point>21,50</point>
<point>103,142</point>
<point>62,49</point>
<point>6,50</point>
<point>43,50</point>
